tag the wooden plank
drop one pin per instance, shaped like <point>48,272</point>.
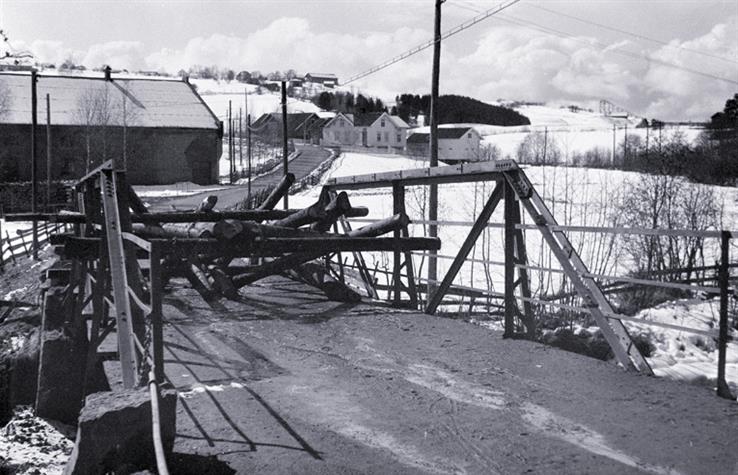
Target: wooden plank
<point>465,172</point>
<point>510,302</point>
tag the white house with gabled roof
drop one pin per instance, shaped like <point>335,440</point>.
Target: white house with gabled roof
<point>381,130</point>
<point>339,131</point>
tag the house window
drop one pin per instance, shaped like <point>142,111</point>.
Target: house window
<point>469,136</point>
<point>381,123</point>
<point>340,123</point>
<point>399,138</point>
<point>337,136</point>
<point>379,136</point>
<point>386,137</point>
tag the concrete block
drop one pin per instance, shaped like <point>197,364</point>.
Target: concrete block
<point>114,432</point>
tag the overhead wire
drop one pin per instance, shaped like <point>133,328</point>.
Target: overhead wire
<point>413,51</point>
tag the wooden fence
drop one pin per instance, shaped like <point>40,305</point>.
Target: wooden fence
<point>20,245</point>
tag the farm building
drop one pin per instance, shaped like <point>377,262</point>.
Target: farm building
<point>269,126</point>
<point>161,129</point>
<point>454,144</point>
<point>326,79</point>
<point>339,131</point>
<point>380,130</point>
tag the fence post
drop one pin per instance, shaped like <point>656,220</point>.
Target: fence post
<point>23,240</point>
<point>723,390</point>
<point>10,246</point>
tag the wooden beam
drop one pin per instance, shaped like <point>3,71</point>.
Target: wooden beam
<point>471,239</point>
<point>465,172</point>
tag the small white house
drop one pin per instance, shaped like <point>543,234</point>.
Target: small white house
<point>381,130</point>
<point>339,131</point>
<point>454,144</point>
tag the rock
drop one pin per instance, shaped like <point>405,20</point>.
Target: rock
<point>19,350</point>
<point>61,364</point>
<point>114,432</point>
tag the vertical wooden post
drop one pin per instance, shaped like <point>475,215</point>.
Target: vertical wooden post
<point>240,139</point>
<point>249,156</point>
<point>398,204</point>
<point>230,142</point>
<point>48,152</point>
<point>722,386</point>
<point>433,188</point>
<point>510,303</point>
<point>285,151</point>
<point>34,159</point>
<point>155,289</point>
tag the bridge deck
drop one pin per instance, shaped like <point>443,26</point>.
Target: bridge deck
<point>287,382</point>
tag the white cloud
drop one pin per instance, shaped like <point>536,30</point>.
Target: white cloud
<point>504,62</point>
<point>117,54</point>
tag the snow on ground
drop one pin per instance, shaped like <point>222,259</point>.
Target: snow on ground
<point>571,131</point>
<point>185,188</point>
<point>258,104</point>
<point>686,356</point>
<point>576,196</point>
<point>29,445</point>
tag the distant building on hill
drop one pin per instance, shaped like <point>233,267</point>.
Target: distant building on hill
<point>454,144</point>
<point>161,128</point>
<point>328,80</point>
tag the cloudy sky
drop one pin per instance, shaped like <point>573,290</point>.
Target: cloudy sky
<point>671,59</point>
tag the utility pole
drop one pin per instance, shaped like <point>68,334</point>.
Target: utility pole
<point>48,152</point>
<point>230,140</point>
<point>34,159</point>
<point>433,195</point>
<point>284,135</point>
<point>614,145</point>
<point>625,144</point>
<point>647,137</point>
<point>240,140</point>
<point>249,153</point>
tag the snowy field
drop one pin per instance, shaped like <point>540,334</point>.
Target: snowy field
<point>576,196</point>
<point>571,132</point>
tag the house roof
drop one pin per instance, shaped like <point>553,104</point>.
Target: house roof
<point>294,121</point>
<point>348,117</point>
<point>366,120</point>
<point>443,133</point>
<point>147,102</point>
<point>329,76</point>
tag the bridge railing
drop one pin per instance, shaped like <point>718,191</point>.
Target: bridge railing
<point>709,282</point>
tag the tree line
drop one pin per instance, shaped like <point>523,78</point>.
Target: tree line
<point>348,103</point>
<point>453,109</point>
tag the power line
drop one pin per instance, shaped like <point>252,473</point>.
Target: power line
<point>457,29</point>
<point>635,35</point>
<point>604,47</point>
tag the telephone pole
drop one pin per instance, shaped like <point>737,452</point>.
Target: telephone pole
<point>48,152</point>
<point>433,195</point>
<point>284,135</point>
<point>34,159</point>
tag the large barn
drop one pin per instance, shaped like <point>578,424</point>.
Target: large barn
<point>161,129</point>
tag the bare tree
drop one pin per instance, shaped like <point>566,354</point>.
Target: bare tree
<point>94,113</point>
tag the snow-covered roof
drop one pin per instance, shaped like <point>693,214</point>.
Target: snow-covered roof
<point>147,102</point>
<point>443,133</point>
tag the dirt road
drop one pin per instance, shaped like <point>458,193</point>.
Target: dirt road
<point>287,382</point>
<point>310,157</point>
